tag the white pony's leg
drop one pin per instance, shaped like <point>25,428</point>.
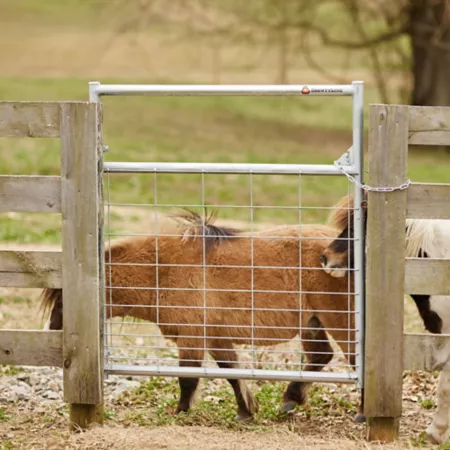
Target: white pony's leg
<point>439,430</point>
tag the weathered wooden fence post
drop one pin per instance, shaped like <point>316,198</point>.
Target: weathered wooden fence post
<point>388,152</point>
<point>83,281</point>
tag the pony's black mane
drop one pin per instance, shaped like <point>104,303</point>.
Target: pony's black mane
<point>193,225</point>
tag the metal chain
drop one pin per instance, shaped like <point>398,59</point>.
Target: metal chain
<point>366,187</point>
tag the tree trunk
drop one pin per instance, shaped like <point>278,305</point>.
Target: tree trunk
<point>430,39</point>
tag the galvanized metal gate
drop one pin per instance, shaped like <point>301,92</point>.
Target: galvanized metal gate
<point>350,164</point>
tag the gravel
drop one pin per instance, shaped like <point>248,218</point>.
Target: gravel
<point>44,385</point>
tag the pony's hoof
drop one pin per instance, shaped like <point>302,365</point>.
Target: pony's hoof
<point>433,436</point>
<point>243,418</point>
<point>432,440</point>
<point>288,407</point>
<point>360,418</point>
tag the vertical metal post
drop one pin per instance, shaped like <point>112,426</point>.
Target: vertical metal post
<point>93,96</point>
<point>357,159</point>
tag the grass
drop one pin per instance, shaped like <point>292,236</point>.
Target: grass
<point>226,129</point>
<point>3,415</point>
<point>10,370</point>
<point>45,63</point>
<point>427,403</point>
<point>154,403</point>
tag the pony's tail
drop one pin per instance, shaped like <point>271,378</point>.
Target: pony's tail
<point>50,298</point>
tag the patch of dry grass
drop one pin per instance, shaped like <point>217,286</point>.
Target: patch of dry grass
<point>194,438</point>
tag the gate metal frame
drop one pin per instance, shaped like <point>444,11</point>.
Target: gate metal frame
<point>351,163</point>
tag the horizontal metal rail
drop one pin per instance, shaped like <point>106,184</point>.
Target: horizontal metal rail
<point>245,374</point>
<point>274,365</point>
<point>212,205</point>
<point>97,89</point>
<point>227,168</point>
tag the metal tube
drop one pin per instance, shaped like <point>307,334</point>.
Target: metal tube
<point>93,96</point>
<point>246,374</point>
<point>216,90</point>
<point>225,168</point>
<point>357,159</point>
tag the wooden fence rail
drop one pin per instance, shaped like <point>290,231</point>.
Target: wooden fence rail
<point>78,269</point>
<point>389,274</point>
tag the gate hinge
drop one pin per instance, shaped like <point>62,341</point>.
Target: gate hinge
<point>344,160</point>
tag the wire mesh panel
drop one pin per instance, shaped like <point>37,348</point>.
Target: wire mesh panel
<point>218,272</point>
<point>208,283</point>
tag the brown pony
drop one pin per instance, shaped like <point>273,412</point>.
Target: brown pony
<point>175,261</point>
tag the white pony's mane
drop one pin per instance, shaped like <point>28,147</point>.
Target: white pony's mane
<point>432,236</point>
<point>419,235</point>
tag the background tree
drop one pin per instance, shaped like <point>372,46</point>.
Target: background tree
<point>406,43</point>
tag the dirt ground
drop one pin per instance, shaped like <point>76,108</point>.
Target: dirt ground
<point>28,431</point>
<point>195,438</point>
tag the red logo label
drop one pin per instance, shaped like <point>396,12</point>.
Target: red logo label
<point>305,90</point>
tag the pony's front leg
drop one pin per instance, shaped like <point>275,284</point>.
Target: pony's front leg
<point>188,386</point>
<point>338,326</point>
<point>439,430</point>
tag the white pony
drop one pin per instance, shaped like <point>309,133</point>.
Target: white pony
<point>431,238</point>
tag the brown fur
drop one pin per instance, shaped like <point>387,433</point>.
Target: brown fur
<point>277,247</point>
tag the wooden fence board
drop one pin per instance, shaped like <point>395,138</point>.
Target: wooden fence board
<point>428,201</point>
<point>81,208</point>
<point>388,151</point>
<point>31,348</point>
<point>426,276</point>
<point>23,193</point>
<point>33,269</point>
<point>426,352</point>
<point>29,119</point>
<point>429,125</point>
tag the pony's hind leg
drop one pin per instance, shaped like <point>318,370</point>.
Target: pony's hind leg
<point>226,358</point>
<point>318,353</point>
<point>439,430</point>
<point>189,357</point>
<point>347,345</point>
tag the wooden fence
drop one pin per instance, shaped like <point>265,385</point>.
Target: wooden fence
<point>78,268</point>
<point>388,275</point>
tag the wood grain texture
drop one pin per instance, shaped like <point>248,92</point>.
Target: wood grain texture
<point>388,148</point>
<point>83,365</point>
<point>23,193</point>
<point>29,119</point>
<point>427,276</point>
<point>31,348</point>
<point>82,416</point>
<point>427,352</point>
<point>382,429</point>
<point>428,201</point>
<point>33,269</point>
<point>429,125</point>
